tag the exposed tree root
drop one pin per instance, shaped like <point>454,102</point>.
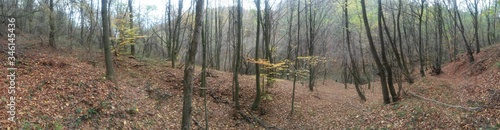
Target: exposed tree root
<point>445,104</point>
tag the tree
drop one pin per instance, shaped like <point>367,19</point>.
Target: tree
<point>203,86</point>
<point>353,69</point>
<point>381,69</point>
<point>131,13</point>
<point>386,66</point>
<point>475,23</point>
<point>266,28</point>
<point>52,24</point>
<point>110,73</point>
<point>312,35</point>
<point>189,69</point>
<point>420,46</point>
<point>439,19</point>
<point>237,52</point>
<point>176,40</point>
<point>296,61</point>
<point>258,91</point>
<point>462,31</point>
<point>402,62</point>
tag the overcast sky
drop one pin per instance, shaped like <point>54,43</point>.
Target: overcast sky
<point>158,6</point>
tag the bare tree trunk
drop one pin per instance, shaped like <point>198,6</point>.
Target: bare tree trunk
<point>403,62</point>
<point>420,46</point>
<point>312,69</point>
<point>385,62</point>
<point>52,24</point>
<point>461,28</point>
<point>381,70</point>
<point>258,92</point>
<point>437,63</point>
<point>354,68</point>
<point>132,47</point>
<point>110,73</point>
<point>296,61</point>
<point>237,52</point>
<point>176,42</point>
<point>189,68</point>
<point>475,23</point>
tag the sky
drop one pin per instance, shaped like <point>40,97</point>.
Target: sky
<point>160,5</point>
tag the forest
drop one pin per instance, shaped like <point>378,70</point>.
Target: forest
<point>250,64</point>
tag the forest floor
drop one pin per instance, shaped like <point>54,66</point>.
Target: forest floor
<point>66,89</point>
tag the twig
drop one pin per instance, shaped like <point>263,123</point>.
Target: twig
<point>197,124</point>
<point>444,104</point>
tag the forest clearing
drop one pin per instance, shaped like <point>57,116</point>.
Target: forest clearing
<point>290,64</point>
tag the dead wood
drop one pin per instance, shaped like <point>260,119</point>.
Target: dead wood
<point>445,104</point>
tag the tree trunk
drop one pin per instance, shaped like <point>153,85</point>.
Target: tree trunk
<point>237,52</point>
<point>354,69</point>
<point>296,61</point>
<point>312,69</point>
<point>381,70</point>
<point>176,42</point>
<point>404,68</point>
<point>110,73</point>
<point>52,24</point>
<point>258,94</point>
<point>420,46</point>
<point>462,31</point>
<point>189,68</point>
<point>132,47</point>
<point>476,24</point>
<point>385,62</point>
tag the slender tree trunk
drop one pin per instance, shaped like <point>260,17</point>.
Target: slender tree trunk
<point>267,26</point>
<point>189,68</point>
<point>437,63</point>
<point>296,61</point>
<point>385,62</point>
<point>204,87</point>
<point>381,70</point>
<point>395,51</point>
<point>462,31</point>
<point>176,42</point>
<point>404,68</point>
<point>82,14</point>
<point>476,25</point>
<point>354,68</point>
<point>52,24</point>
<point>237,51</point>
<point>110,73</point>
<point>258,93</point>
<point>312,69</point>
<point>132,47</point>
<point>420,46</point>
<point>289,47</point>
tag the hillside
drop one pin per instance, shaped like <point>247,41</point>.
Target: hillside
<point>65,89</point>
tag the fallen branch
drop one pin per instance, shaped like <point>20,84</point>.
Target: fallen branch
<point>445,104</point>
<point>198,124</point>
<point>261,122</point>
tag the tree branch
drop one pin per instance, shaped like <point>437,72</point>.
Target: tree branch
<point>444,104</point>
